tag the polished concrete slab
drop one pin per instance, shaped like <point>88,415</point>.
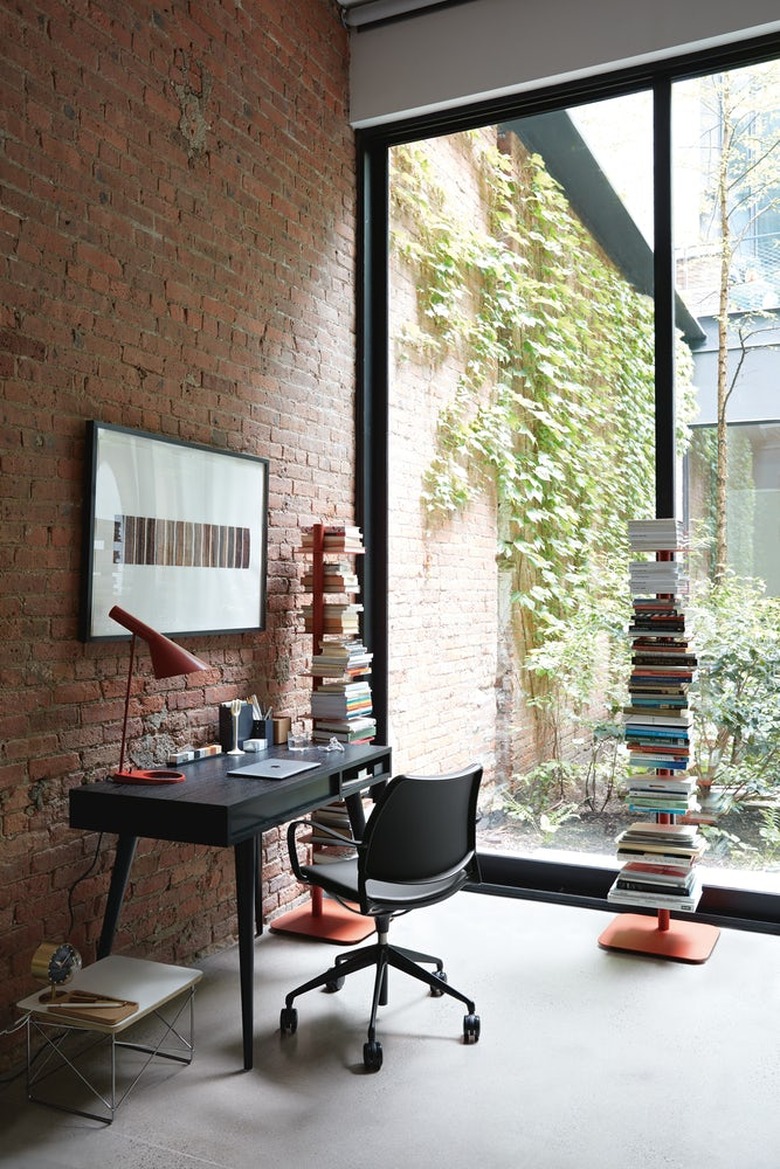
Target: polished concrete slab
<point>588,1059</point>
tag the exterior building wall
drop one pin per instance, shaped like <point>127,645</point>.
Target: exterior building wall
<point>443,611</point>
<point>457,688</point>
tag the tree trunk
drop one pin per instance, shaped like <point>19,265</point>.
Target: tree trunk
<point>721,473</point>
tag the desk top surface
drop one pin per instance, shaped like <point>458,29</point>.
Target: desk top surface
<point>212,807</point>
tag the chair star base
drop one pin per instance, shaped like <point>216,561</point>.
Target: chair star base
<point>382,956</point>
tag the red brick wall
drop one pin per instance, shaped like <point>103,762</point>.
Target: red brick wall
<point>443,585</point>
<point>177,250</point>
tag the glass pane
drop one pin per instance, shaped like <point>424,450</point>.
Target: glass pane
<point>726,237</point>
<point>521,441</point>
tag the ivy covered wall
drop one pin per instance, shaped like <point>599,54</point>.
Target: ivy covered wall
<point>529,362</point>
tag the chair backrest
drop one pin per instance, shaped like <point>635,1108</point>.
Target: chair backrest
<point>423,827</point>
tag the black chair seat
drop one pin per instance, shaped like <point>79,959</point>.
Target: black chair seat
<point>340,879</point>
<point>419,848</point>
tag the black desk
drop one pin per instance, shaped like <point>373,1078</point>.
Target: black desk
<point>212,807</point>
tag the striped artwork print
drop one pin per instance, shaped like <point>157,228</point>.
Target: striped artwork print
<point>179,543</point>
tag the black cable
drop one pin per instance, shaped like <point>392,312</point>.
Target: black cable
<point>83,877</point>
<point>14,1075</point>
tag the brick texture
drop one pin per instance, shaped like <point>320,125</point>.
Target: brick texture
<point>176,255</point>
<point>443,587</point>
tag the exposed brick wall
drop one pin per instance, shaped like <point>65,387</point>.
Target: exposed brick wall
<point>443,604</point>
<point>177,249</point>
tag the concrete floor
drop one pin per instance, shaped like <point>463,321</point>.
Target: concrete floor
<point>587,1058</point>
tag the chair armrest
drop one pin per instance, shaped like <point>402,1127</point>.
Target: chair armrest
<point>292,846</point>
<point>338,838</point>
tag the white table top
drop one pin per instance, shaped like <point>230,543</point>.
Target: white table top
<point>150,984</point>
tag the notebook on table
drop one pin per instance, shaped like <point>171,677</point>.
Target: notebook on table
<point>273,769</point>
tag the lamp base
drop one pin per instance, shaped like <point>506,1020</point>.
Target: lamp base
<point>153,775</point>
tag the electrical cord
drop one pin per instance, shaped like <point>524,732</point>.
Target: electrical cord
<point>77,882</point>
<point>19,1023</point>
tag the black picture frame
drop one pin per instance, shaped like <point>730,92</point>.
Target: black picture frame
<point>174,532</point>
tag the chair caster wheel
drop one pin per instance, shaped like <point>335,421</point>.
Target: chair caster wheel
<point>471,1027</point>
<point>436,993</point>
<point>288,1021</point>
<point>334,985</point>
<point>372,1055</point>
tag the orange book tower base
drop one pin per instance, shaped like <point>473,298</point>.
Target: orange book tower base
<point>680,941</point>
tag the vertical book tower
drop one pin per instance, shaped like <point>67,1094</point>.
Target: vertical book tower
<point>658,853</point>
<point>341,711</point>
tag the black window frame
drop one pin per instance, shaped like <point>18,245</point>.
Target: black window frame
<point>546,880</point>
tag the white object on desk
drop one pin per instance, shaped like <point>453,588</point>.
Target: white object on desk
<point>152,985</point>
<point>273,768</point>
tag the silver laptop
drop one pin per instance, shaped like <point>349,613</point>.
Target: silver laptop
<point>273,769</point>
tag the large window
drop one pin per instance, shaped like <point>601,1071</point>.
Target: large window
<point>536,337</point>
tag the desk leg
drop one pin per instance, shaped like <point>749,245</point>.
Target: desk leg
<point>120,874</point>
<point>258,885</point>
<point>246,871</point>
<point>357,817</point>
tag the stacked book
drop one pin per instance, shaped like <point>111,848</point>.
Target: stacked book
<point>331,834</point>
<point>657,728</point>
<point>335,538</point>
<point>341,702</point>
<point>337,578</point>
<point>650,792</point>
<point>661,535</point>
<point>348,658</point>
<point>357,729</point>
<point>336,618</point>
<point>659,866</point>
<point>657,576</point>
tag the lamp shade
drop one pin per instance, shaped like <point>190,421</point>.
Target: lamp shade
<point>168,658</point>
<point>168,661</point>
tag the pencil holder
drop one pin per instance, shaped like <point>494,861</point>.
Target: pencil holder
<point>263,728</point>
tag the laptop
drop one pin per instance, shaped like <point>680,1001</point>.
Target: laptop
<point>273,768</point>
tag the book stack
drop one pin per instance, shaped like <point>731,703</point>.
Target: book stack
<point>649,792</point>
<point>341,702</point>
<point>331,831</point>
<point>659,866</point>
<point>335,538</point>
<point>661,535</point>
<point>349,658</point>
<point>656,576</point>
<point>337,578</point>
<point>336,618</point>
<point>657,729</point>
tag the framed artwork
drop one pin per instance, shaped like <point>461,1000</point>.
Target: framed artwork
<point>174,532</point>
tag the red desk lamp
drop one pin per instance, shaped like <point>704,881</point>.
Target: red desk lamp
<point>168,661</point>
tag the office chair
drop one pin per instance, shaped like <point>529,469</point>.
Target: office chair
<point>419,847</point>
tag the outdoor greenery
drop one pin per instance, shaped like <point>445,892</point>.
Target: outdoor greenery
<point>556,374</point>
<point>553,404</point>
<point>736,631</point>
